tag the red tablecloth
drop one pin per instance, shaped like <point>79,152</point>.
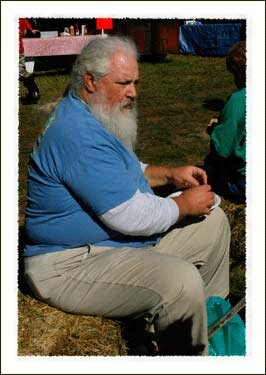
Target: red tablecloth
<point>63,45</point>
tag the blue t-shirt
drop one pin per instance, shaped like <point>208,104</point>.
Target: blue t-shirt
<point>77,172</point>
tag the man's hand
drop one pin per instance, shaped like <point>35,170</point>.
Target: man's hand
<point>188,176</point>
<point>181,177</point>
<point>196,201</point>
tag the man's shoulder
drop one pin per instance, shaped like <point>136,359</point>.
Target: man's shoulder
<point>74,119</point>
<point>78,128</point>
<point>73,112</point>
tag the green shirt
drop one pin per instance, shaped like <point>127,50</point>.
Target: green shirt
<point>229,136</point>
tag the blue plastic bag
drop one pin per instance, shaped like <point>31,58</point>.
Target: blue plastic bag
<point>230,339</point>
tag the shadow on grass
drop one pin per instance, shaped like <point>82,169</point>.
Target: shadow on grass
<point>52,72</point>
<point>52,65</point>
<point>160,58</point>
<point>213,104</point>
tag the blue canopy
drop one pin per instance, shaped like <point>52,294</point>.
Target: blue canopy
<point>208,39</point>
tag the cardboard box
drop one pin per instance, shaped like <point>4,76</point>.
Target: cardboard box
<point>49,34</point>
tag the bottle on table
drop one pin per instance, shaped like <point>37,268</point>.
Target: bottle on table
<point>77,30</point>
<point>72,31</point>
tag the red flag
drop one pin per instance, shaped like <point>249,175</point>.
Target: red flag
<point>104,23</point>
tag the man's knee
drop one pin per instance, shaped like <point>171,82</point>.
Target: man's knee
<point>223,231</point>
<point>193,286</point>
<point>182,281</point>
<point>218,231</point>
<point>220,219</point>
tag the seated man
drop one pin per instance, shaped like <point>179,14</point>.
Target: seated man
<point>99,242</point>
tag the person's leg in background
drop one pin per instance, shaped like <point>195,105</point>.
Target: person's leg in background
<point>230,184</point>
<point>28,81</point>
<point>214,166</point>
<point>237,189</point>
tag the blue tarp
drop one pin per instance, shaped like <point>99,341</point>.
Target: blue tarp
<point>208,39</point>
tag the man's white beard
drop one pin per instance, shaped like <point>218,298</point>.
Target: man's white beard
<point>122,123</point>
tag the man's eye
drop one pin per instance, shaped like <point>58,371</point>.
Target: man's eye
<point>125,83</point>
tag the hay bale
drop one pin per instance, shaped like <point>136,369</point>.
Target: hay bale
<point>46,331</point>
<point>236,214</point>
<point>237,281</point>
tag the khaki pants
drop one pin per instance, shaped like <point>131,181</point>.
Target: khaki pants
<point>168,282</point>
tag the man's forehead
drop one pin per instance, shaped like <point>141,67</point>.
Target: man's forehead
<point>123,62</point>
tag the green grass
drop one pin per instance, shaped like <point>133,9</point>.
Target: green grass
<point>172,124</point>
<point>172,119</point>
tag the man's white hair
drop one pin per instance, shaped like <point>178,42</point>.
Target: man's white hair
<point>95,58</point>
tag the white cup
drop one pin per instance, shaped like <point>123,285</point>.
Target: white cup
<point>29,66</point>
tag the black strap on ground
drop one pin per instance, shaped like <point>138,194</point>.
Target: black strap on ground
<point>221,322</point>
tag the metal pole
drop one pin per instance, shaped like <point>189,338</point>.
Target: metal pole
<point>221,322</point>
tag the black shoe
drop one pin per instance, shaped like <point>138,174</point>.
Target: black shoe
<point>140,338</point>
<point>33,90</point>
<point>35,96</point>
<point>29,99</point>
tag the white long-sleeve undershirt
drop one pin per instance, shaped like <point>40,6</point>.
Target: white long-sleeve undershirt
<point>143,166</point>
<point>142,215</point>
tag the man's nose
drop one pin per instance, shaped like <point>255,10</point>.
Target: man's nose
<point>131,91</point>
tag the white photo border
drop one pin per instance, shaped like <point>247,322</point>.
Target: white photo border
<point>254,13</point>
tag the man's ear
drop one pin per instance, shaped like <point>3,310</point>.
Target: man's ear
<point>89,82</point>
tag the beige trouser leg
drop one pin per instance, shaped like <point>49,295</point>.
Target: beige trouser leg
<point>205,244</point>
<point>129,282</point>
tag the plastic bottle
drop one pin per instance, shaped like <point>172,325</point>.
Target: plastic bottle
<point>72,31</point>
<point>77,30</point>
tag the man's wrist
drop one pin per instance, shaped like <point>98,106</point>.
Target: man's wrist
<point>182,206</point>
<point>169,175</point>
<point>158,175</point>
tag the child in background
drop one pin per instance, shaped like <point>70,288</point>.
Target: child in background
<point>226,162</point>
<point>24,76</point>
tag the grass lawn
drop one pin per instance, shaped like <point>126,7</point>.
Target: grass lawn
<point>172,124</point>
